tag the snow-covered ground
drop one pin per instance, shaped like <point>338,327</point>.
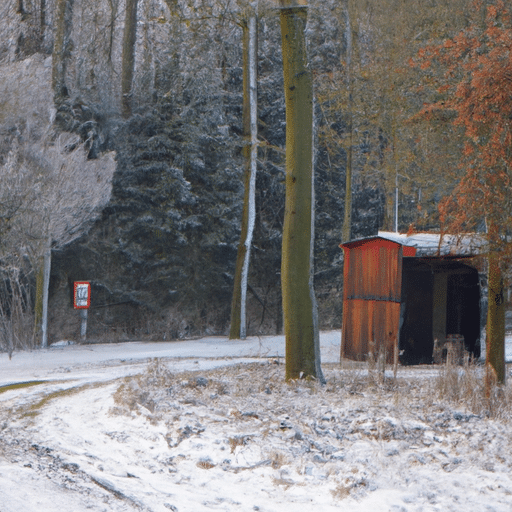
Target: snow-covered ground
<point>210,425</point>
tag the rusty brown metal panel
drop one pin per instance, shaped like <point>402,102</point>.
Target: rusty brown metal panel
<point>371,298</point>
<point>367,321</point>
<point>370,270</point>
<point>386,318</point>
<point>354,331</point>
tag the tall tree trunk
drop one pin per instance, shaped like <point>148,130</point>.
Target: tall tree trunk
<point>42,22</point>
<point>43,265</point>
<point>61,47</point>
<point>346,234</point>
<point>47,261</point>
<point>20,8</point>
<point>238,327</point>
<point>299,305</point>
<point>395,165</point>
<point>390,184</point>
<point>38,300</point>
<point>495,342</point>
<point>128,58</point>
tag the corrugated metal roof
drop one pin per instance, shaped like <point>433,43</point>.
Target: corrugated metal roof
<point>429,244</point>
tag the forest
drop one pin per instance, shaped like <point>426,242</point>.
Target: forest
<point>124,145</point>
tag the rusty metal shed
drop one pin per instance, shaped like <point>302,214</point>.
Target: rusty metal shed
<point>403,292</point>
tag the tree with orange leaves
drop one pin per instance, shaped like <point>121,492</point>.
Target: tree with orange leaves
<point>475,94</point>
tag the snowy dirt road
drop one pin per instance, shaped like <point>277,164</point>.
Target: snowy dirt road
<point>210,425</point>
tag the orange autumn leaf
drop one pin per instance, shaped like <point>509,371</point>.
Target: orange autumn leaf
<point>476,87</point>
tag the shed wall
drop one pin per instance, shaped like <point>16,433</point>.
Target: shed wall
<point>371,298</point>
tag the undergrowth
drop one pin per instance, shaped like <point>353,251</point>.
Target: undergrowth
<point>244,387</point>
<point>142,392</point>
<point>465,385</point>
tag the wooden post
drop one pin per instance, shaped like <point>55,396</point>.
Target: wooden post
<point>440,293</point>
<point>83,325</point>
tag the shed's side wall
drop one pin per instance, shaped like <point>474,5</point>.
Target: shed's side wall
<point>371,299</point>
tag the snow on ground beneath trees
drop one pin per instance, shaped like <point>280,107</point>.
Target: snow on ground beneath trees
<point>210,425</point>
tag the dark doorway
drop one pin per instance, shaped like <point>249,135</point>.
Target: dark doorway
<point>463,308</point>
<point>416,343</point>
<point>440,295</point>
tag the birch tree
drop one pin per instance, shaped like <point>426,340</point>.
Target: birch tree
<point>299,303</point>
<point>238,327</point>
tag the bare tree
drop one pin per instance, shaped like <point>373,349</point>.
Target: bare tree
<point>60,196</point>
<point>50,191</point>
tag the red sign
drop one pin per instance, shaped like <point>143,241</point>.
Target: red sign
<point>82,294</point>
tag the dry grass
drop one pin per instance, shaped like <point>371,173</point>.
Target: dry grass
<point>277,459</point>
<point>205,464</point>
<point>236,441</point>
<point>141,393</point>
<point>36,407</point>
<point>252,392</point>
<point>285,482</point>
<point>465,385</point>
<point>21,385</point>
<point>40,401</point>
<point>341,491</point>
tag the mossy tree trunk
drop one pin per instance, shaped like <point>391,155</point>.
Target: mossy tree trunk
<point>299,305</point>
<point>495,343</point>
<point>128,58</point>
<point>238,328</point>
<point>61,47</point>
